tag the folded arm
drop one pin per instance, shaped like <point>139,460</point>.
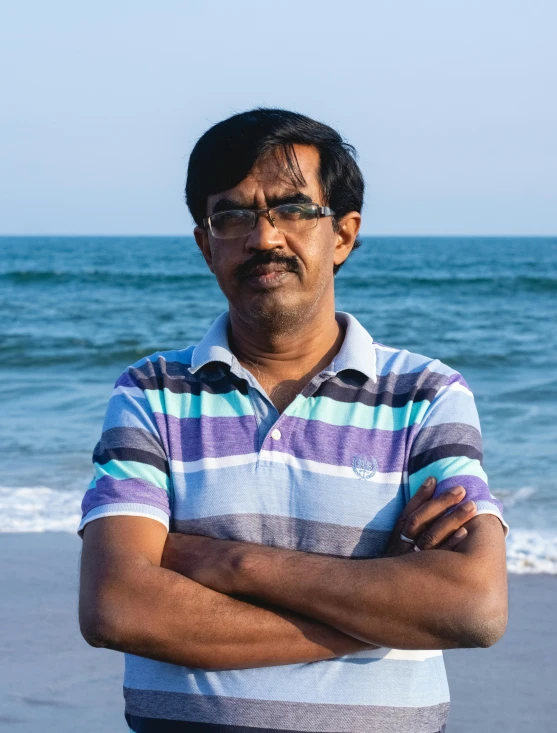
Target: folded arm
<point>129,603</point>
<point>426,600</point>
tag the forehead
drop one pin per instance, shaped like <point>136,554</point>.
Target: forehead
<point>269,180</point>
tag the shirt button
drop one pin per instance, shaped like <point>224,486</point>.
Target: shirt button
<point>276,434</point>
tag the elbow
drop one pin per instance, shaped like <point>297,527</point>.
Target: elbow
<point>486,624</point>
<point>100,628</point>
<point>95,632</point>
<point>483,634</point>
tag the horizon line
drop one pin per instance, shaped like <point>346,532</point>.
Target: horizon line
<point>383,236</point>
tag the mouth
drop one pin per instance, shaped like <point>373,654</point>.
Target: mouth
<point>267,276</point>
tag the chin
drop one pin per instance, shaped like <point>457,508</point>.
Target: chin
<point>276,317</point>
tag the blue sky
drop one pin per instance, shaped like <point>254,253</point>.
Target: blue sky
<point>451,106</point>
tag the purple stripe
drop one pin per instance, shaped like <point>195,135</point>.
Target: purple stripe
<point>123,491</point>
<point>193,438</point>
<point>338,445</point>
<point>458,379</point>
<point>125,380</point>
<point>190,439</point>
<point>476,489</point>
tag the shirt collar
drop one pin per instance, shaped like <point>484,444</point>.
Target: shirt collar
<point>357,350</point>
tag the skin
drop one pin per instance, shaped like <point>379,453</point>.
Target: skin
<point>283,331</point>
<point>135,595</point>
<point>215,604</point>
<point>430,600</point>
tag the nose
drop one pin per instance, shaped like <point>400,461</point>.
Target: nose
<point>264,235</point>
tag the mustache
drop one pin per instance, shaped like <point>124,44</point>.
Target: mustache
<point>268,257</point>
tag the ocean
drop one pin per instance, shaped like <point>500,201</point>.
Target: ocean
<point>76,311</point>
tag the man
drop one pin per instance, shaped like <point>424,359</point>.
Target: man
<point>288,452</point>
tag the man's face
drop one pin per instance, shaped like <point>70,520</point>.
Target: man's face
<point>273,279</point>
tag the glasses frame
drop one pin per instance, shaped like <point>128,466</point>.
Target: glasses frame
<point>321,211</point>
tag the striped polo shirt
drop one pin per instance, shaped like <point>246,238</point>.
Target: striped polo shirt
<point>191,440</point>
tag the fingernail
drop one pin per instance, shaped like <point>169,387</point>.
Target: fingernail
<point>429,484</point>
<point>457,490</point>
<point>460,533</point>
<point>469,506</point>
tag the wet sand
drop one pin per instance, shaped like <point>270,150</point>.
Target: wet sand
<point>51,680</point>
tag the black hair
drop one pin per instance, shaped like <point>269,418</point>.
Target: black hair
<point>225,154</point>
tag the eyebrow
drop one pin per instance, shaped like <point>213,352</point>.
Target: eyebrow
<point>297,197</point>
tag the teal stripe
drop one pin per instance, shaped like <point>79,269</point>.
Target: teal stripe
<point>357,415</point>
<point>132,469</point>
<point>231,404</point>
<point>447,468</point>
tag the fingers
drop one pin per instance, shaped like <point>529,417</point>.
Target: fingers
<point>421,497</point>
<point>431,523</point>
<point>420,520</point>
<point>454,540</point>
<point>443,529</point>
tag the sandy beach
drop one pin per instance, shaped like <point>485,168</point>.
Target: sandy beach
<point>50,680</point>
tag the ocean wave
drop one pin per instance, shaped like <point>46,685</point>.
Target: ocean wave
<point>148,278</point>
<point>496,284</point>
<point>532,551</point>
<point>42,509</point>
<point>23,353</point>
<point>39,509</point>
<point>93,276</point>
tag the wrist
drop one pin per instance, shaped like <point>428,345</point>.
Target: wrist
<point>247,562</point>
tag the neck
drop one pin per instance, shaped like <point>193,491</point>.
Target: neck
<point>293,354</point>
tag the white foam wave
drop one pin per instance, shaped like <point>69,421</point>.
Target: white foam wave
<point>39,509</point>
<point>532,551</point>
<point>42,509</point>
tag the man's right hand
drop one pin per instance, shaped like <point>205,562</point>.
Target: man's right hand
<point>426,523</point>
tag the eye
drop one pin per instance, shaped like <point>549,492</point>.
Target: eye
<point>295,212</point>
<point>224,218</point>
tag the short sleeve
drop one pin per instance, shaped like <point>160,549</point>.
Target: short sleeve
<point>448,446</point>
<point>131,471</point>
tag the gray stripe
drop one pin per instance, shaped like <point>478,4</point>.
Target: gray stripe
<point>289,533</point>
<point>447,434</point>
<point>395,383</point>
<point>295,716</point>
<point>130,438</point>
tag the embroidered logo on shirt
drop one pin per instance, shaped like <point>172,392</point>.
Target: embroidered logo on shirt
<point>363,468</point>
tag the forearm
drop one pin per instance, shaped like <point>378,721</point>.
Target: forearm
<point>393,602</point>
<point>156,613</point>
<point>428,600</point>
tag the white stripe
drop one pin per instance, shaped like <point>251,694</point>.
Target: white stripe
<point>404,655</point>
<point>304,464</point>
<point>388,349</point>
<point>207,464</point>
<point>125,510</point>
<point>454,387</point>
<point>131,391</point>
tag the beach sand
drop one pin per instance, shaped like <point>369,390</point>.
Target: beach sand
<point>51,680</point>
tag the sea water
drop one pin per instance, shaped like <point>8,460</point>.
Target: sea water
<point>75,312</point>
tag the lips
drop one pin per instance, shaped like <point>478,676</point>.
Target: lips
<point>266,270</point>
<point>267,277</point>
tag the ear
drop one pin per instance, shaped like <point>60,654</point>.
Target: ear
<point>349,226</point>
<point>202,241</point>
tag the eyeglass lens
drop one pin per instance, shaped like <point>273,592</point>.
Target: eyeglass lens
<point>289,218</point>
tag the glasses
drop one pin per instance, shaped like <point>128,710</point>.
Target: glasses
<point>286,218</point>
